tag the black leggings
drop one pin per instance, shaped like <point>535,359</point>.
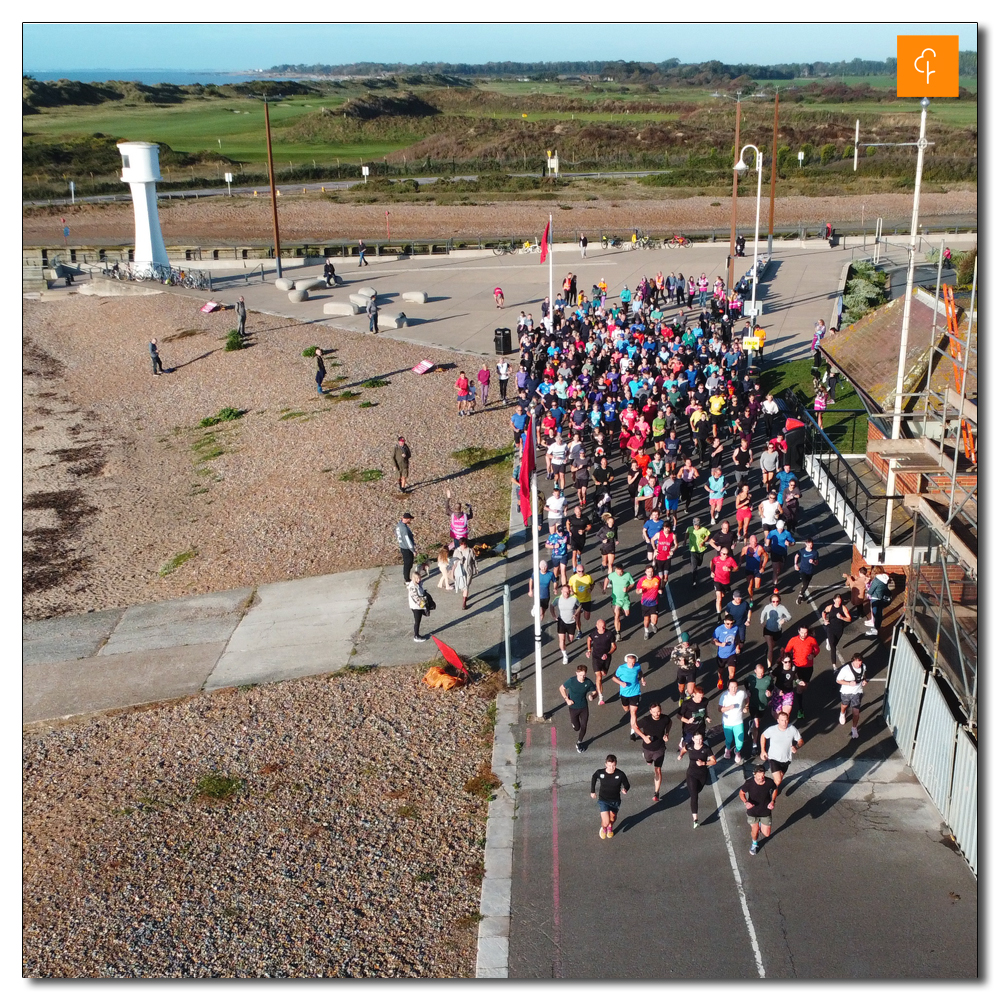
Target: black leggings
<point>833,637</point>
<point>418,614</point>
<point>578,718</point>
<point>695,783</point>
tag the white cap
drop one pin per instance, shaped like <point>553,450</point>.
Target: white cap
<point>780,525</point>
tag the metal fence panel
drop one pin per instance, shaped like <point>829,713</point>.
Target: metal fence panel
<point>934,751</point>
<point>963,809</point>
<point>903,694</point>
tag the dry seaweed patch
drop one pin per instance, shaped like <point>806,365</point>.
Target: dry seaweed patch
<point>317,827</point>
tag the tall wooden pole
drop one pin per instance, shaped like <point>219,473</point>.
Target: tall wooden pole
<point>774,175</point>
<point>732,229</point>
<point>274,196</point>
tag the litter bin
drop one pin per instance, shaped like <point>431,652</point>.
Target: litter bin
<point>501,339</point>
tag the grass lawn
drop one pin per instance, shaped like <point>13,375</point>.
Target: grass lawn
<point>848,430</point>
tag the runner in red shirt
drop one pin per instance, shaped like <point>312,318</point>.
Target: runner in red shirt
<point>803,648</point>
<point>723,566</point>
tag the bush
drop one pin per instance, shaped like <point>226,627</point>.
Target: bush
<point>310,352</point>
<point>225,414</point>
<point>865,291</point>
<point>234,342</point>
<point>827,153</point>
<point>966,265</point>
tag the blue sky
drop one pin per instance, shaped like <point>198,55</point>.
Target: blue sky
<point>199,46</point>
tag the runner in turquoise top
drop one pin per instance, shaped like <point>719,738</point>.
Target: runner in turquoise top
<point>621,582</point>
<point>630,680</point>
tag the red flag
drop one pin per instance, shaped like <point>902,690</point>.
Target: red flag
<point>527,468</point>
<point>450,655</point>
<point>545,243</point>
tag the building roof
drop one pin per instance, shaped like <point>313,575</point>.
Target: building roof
<point>867,352</point>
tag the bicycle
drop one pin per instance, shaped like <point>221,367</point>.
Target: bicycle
<point>503,248</point>
<point>678,241</point>
<point>528,247</point>
<point>611,241</point>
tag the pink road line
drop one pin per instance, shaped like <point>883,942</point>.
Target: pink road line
<point>557,961</point>
<point>524,826</point>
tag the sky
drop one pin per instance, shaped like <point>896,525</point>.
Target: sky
<point>56,46</point>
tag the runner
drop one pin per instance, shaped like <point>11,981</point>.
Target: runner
<point>739,610</point>
<point>778,541</point>
<point>754,558</point>
<point>778,743</point>
<point>694,718</point>
<point>609,545</point>
<point>555,460</point>
<point>805,566</point>
<point>804,649</point>
<point>545,580</point>
<point>769,462</point>
<point>654,733</point>
<point>567,607</point>
<point>723,566</point>
<point>759,692</point>
<point>664,543</point>
<point>629,678</point>
<point>852,678</point>
<point>581,584</point>
<point>700,759</point>
<point>769,511</point>
<point>576,692</point>
<point>686,658</point>
<point>835,617</point>
<point>579,526</point>
<point>726,637</point>
<point>613,785</point>
<point>773,617</point>
<point>716,489</point>
<point>600,646</point>
<point>558,544</point>
<point>621,583</point>
<point>878,597</point>
<point>759,794</point>
<point>648,589</point>
<point>744,510</point>
<point>731,703</point>
<point>697,540</point>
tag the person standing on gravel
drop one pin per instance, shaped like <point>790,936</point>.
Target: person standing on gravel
<point>372,310</point>
<point>154,353</point>
<point>241,315</point>
<point>401,459</point>
<point>320,372</point>
<point>483,378</point>
<point>503,376</point>
<point>407,546</point>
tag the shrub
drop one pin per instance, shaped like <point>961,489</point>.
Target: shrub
<point>234,342</point>
<point>226,413</point>
<point>966,264</point>
<point>361,475</point>
<point>310,352</point>
<point>376,383</point>
<point>827,153</point>
<point>865,291</point>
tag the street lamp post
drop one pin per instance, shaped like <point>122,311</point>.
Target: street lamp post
<point>740,169</point>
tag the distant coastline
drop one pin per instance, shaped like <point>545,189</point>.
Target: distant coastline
<point>153,76</point>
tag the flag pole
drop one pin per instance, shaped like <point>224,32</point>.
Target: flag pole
<point>552,301</point>
<point>539,708</point>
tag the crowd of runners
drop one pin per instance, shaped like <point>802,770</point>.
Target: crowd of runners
<point>650,408</point>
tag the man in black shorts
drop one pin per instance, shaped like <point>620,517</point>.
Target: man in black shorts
<point>654,733</point>
<point>600,645</point>
<point>613,785</point>
<point>566,608</point>
<point>576,692</point>
<point>686,658</point>
<point>780,742</point>
<point>759,795</point>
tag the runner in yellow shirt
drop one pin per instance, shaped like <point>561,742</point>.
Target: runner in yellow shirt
<point>581,584</point>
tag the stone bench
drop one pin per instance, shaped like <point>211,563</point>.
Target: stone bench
<point>367,291</point>
<point>284,284</point>
<point>310,284</point>
<point>341,309</point>
<point>359,300</point>
<point>394,322</point>
<point>414,296</point>
<point>298,295</point>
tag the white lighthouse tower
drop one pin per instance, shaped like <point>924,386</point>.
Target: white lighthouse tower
<point>141,171</point>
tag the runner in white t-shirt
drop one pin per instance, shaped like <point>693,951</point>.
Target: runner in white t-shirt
<point>852,680</point>
<point>779,743</point>
<point>555,460</point>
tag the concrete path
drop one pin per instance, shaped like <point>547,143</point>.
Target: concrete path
<point>460,314</point>
<point>859,878</point>
<point>155,652</point>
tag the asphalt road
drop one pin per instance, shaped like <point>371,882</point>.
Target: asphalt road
<point>857,881</point>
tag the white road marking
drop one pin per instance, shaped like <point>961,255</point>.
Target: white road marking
<point>739,881</point>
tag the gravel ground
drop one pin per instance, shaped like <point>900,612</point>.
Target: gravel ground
<point>351,849</point>
<point>309,218</point>
<point>119,479</point>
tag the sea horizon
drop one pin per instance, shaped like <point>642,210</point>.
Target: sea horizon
<point>153,76</point>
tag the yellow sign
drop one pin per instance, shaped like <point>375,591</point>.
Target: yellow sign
<point>750,343</point>
<point>927,65</point>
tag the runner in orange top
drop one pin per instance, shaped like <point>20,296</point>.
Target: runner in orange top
<point>804,648</point>
<point>649,597</point>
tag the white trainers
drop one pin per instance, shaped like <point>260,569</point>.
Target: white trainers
<point>854,733</point>
<point>565,657</point>
<point>828,644</point>
<point>842,719</point>
<point>872,631</point>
